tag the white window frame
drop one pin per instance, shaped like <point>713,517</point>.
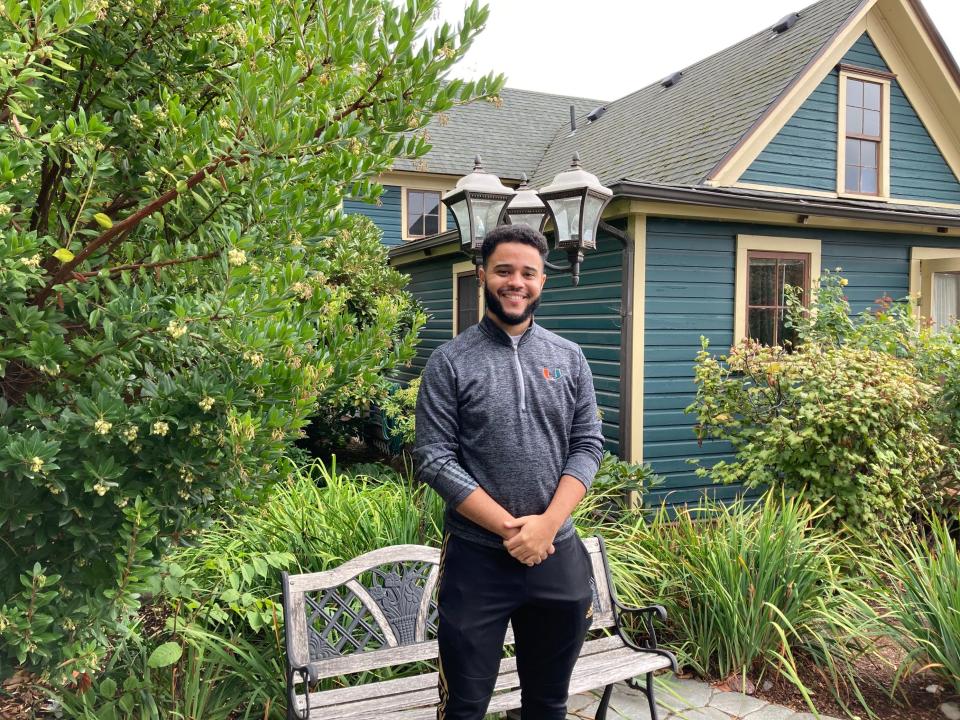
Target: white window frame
<point>746,243</point>
<point>883,161</point>
<point>404,225</point>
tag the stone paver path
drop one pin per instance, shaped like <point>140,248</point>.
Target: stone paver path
<point>683,700</point>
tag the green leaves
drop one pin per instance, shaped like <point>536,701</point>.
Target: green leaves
<point>173,367</point>
<point>166,654</point>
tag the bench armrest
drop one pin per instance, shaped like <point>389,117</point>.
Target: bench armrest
<point>293,710</point>
<point>649,642</point>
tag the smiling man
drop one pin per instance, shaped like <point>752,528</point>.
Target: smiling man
<point>508,434</point>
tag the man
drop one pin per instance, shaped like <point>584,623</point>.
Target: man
<point>508,434</point>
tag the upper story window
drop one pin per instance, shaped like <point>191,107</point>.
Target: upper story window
<point>864,151</point>
<point>423,213</point>
<point>863,137</point>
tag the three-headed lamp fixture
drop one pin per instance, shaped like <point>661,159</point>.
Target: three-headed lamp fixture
<point>573,203</point>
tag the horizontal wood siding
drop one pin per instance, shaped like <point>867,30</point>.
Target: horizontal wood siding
<point>431,283</point>
<point>690,292</point>
<point>588,315</point>
<point>804,153</point>
<point>385,214</point>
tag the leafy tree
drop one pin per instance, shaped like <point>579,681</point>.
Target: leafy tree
<point>179,290</point>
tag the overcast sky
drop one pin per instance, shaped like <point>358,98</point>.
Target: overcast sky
<point>606,49</point>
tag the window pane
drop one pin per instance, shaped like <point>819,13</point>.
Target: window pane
<point>431,203</point>
<point>852,182</point>
<point>853,152</point>
<point>786,337</point>
<point>854,93</point>
<point>763,285</point>
<point>868,180</point>
<point>854,121</point>
<point>871,122</point>
<point>414,203</point>
<point>945,305</point>
<point>868,153</point>
<point>467,310</point>
<point>871,96</point>
<point>431,225</point>
<point>416,226</point>
<point>792,272</point>
<point>760,324</point>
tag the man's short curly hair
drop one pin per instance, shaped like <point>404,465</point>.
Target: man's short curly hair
<point>513,233</point>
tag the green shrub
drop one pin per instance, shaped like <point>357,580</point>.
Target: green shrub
<point>747,589</point>
<point>845,425</point>
<point>179,291</point>
<point>920,578</point>
<point>399,407</point>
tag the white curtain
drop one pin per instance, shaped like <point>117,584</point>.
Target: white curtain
<point>945,303</point>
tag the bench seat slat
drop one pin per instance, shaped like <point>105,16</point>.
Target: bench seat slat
<point>404,685</point>
<point>601,662</point>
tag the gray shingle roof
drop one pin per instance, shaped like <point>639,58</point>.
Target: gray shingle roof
<point>511,138</point>
<point>677,135</point>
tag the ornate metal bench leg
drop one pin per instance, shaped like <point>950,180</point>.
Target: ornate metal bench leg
<point>604,702</point>
<point>648,690</point>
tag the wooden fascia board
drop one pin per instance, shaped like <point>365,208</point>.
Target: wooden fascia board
<point>923,74</point>
<point>690,211</point>
<point>779,112</point>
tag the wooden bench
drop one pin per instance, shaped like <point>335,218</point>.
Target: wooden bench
<point>379,610</point>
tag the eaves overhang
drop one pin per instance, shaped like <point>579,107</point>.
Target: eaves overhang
<point>423,244</point>
<point>739,199</point>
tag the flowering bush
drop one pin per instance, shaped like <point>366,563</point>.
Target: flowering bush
<point>848,417</point>
<point>179,291</point>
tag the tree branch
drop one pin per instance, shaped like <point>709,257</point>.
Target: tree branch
<point>129,223</point>
<point>137,266</point>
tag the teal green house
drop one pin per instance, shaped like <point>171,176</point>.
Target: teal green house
<point>831,139</point>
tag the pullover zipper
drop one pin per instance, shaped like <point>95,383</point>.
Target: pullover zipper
<point>523,396</point>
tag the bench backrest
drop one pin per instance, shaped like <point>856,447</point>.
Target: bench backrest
<point>380,609</point>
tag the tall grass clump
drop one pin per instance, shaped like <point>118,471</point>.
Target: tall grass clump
<point>749,590</point>
<point>319,518</point>
<point>920,578</point>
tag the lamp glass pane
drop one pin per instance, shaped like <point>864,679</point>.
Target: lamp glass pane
<point>566,212</point>
<point>462,217</point>
<point>591,218</point>
<point>485,215</point>
<point>531,220</point>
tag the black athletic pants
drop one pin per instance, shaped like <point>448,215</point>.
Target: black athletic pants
<point>482,588</point>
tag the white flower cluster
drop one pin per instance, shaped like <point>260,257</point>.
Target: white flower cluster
<point>102,427</point>
<point>236,257</point>
<point>206,403</point>
<point>176,329</point>
<point>32,262</point>
<point>159,428</point>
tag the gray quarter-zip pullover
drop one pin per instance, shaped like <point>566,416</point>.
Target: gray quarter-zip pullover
<point>510,415</point>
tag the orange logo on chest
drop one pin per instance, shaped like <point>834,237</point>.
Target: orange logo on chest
<point>554,374</point>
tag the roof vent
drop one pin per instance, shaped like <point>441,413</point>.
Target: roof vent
<point>786,23</point>
<point>671,80</point>
<point>596,113</point>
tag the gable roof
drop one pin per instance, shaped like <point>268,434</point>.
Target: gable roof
<point>510,136</point>
<point>678,135</point>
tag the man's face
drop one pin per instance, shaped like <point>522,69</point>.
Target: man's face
<point>513,279</point>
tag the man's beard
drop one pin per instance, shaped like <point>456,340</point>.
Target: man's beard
<point>494,304</point>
